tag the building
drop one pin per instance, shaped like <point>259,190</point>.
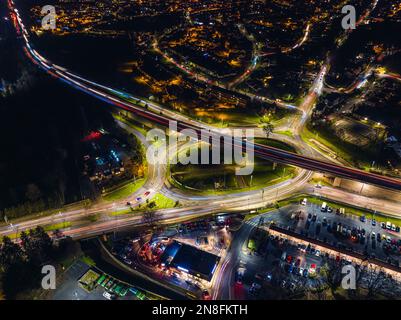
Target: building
<point>188,259</point>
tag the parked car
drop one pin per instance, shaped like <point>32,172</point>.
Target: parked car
<point>284,256</point>
<point>255,288</point>
<point>109,296</point>
<point>206,295</point>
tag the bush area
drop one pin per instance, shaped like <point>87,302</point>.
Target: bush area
<point>21,264</point>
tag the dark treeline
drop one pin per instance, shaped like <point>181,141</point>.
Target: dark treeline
<point>41,127</point>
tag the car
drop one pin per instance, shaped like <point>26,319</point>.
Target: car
<point>324,207</point>
<point>388,240</point>
<point>314,218</point>
<point>383,225</point>
<point>318,227</point>
<point>109,284</point>
<point>146,193</point>
<point>206,295</point>
<point>138,199</point>
<point>284,256</point>
<point>108,295</point>
<point>301,271</point>
<point>293,286</point>
<point>304,202</point>
<point>240,274</point>
<point>393,228</point>
<point>309,217</point>
<point>373,222</point>
<point>303,248</point>
<point>128,203</point>
<point>329,209</point>
<point>298,262</point>
<point>378,237</point>
<point>255,288</point>
<point>259,276</point>
<point>305,272</point>
<point>317,253</point>
<point>373,235</point>
<point>290,268</point>
<point>324,221</point>
<point>388,225</point>
<point>397,229</point>
<point>289,259</point>
<point>362,219</point>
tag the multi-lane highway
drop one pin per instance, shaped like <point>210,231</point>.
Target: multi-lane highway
<point>130,103</point>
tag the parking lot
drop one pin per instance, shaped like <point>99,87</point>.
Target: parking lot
<point>283,271</point>
<point>285,267</point>
<point>105,287</point>
<point>339,229</point>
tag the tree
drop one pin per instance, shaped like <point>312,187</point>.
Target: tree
<point>11,254</point>
<point>373,278</point>
<point>149,217</point>
<point>267,125</point>
<point>331,272</point>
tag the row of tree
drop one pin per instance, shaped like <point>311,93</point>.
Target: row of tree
<point>20,264</point>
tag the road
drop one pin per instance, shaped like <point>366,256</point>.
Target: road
<point>119,99</point>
